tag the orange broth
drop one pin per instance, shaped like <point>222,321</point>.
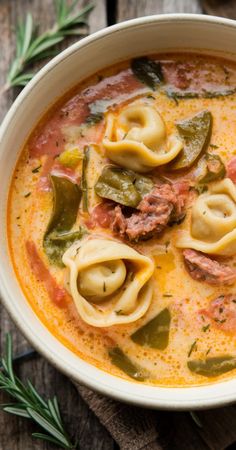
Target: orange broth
<point>30,207</point>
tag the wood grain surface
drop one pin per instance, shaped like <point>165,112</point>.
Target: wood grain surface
<point>15,433</point>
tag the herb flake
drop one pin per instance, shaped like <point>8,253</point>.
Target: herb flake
<point>36,169</point>
<point>192,348</point>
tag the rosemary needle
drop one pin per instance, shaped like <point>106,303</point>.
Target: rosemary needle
<point>32,46</point>
<point>30,405</point>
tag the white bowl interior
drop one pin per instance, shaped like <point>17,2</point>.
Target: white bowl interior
<point>137,37</point>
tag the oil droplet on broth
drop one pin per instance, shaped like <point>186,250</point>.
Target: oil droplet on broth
<point>165,264</point>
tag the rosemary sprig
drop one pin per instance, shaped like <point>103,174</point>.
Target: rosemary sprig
<point>31,405</point>
<point>196,419</point>
<point>32,46</point>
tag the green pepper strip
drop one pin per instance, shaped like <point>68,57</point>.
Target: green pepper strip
<point>179,94</point>
<point>147,71</point>
<point>122,186</point>
<point>215,169</point>
<point>195,132</point>
<point>155,333</point>
<point>120,360</point>
<point>211,367</point>
<point>66,199</point>
<point>84,179</point>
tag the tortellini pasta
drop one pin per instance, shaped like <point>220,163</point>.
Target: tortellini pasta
<point>109,281</point>
<point>136,139</point>
<point>213,221</point>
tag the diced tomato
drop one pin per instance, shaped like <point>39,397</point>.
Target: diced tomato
<point>101,215</point>
<point>57,294</point>
<point>57,169</point>
<point>231,169</point>
<point>222,313</point>
<point>49,140</point>
<point>44,183</point>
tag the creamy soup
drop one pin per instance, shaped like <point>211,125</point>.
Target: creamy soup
<point>122,220</point>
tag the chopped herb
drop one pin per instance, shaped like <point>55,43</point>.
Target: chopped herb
<point>204,212</point>
<point>57,144</point>
<point>150,96</point>
<point>158,267</point>
<point>206,327</point>
<point>77,250</point>
<point>200,188</point>
<point>173,97</point>
<point>177,95</point>
<point>167,243</point>
<point>234,300</point>
<point>220,321</point>
<point>208,351</point>
<point>131,275</point>
<point>167,295</point>
<point>104,287</point>
<point>18,217</point>
<point>218,94</point>
<point>221,310</point>
<point>192,348</point>
<point>97,110</point>
<point>27,195</point>
<point>36,170</point>
<point>147,71</point>
<point>95,118</point>
<point>119,312</point>
<point>214,146</point>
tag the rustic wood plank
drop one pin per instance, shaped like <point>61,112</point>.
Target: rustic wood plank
<point>14,432</point>
<point>98,17</point>
<point>219,8</point>
<point>80,421</point>
<point>137,8</point>
<point>185,434</point>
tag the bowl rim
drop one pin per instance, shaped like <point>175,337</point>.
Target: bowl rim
<point>114,386</point>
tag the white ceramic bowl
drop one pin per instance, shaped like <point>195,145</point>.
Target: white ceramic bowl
<point>136,37</point>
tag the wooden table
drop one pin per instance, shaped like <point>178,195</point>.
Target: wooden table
<point>15,433</point>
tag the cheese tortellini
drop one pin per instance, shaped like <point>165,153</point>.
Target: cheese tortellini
<point>136,139</point>
<point>109,281</point>
<point>213,221</point>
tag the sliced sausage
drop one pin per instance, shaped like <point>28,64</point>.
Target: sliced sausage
<point>163,205</point>
<point>204,268</point>
<point>222,313</point>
